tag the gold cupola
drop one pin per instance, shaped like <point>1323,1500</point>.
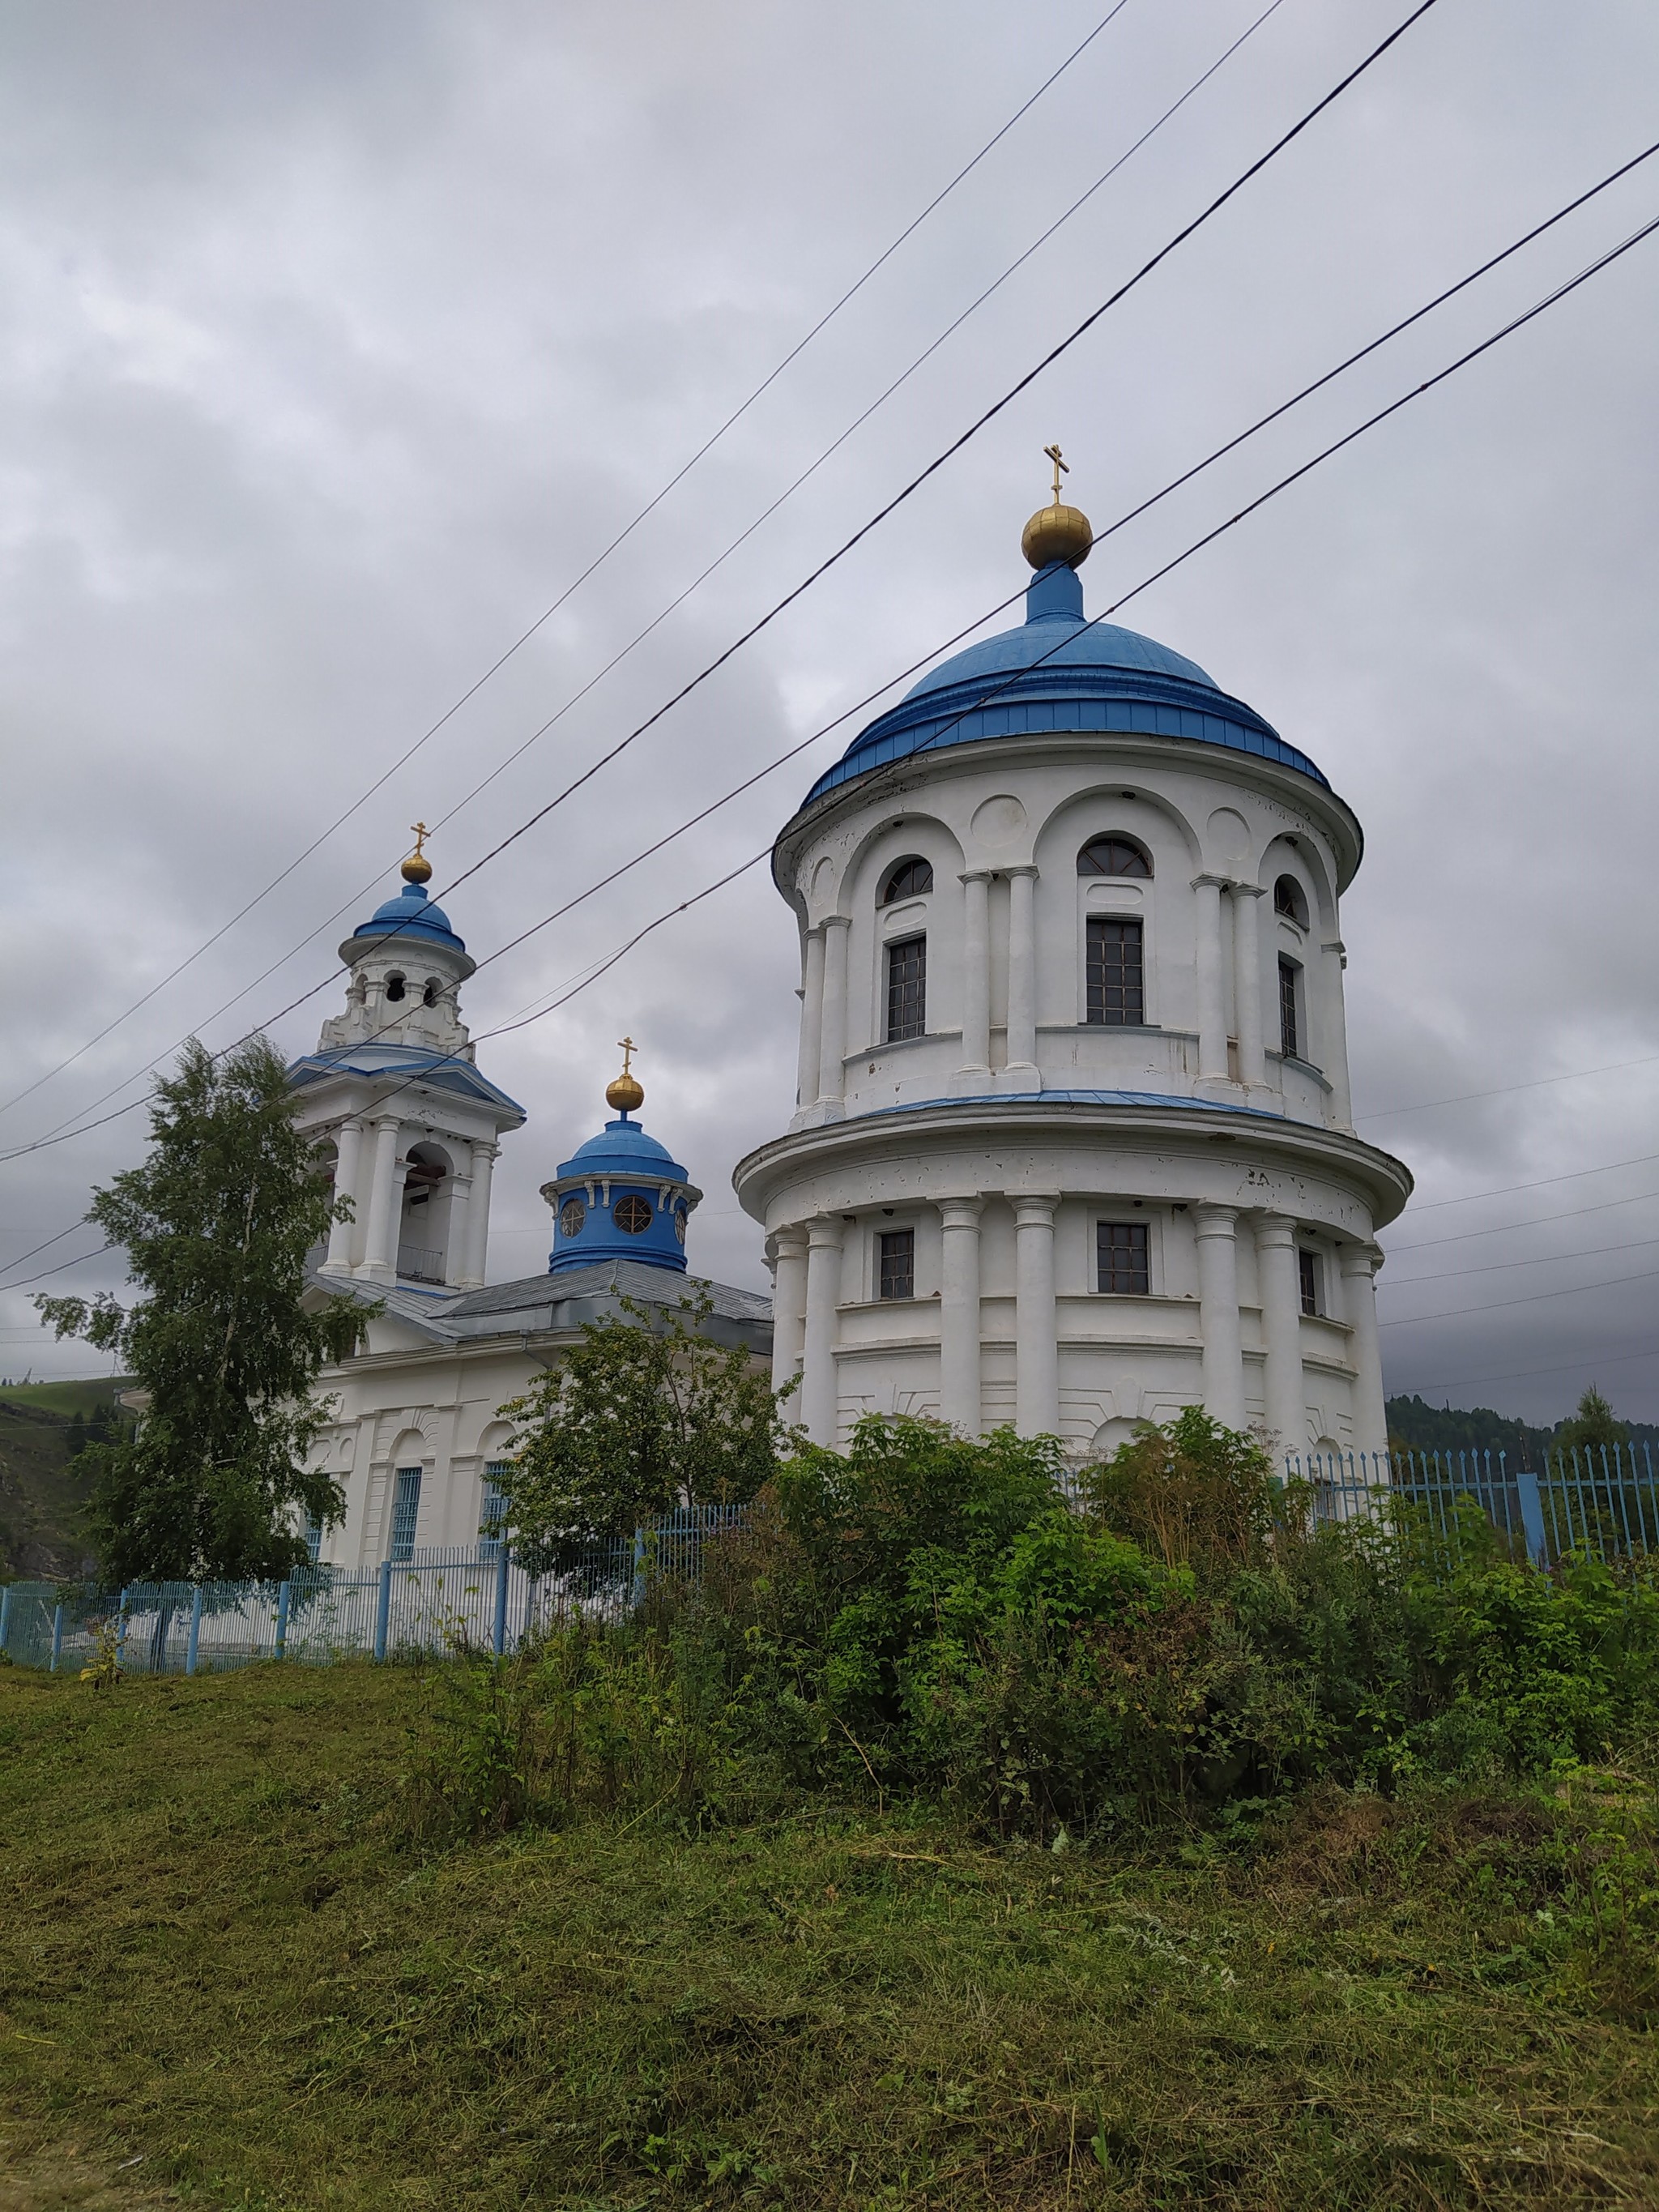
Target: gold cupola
<point>1057,532</point>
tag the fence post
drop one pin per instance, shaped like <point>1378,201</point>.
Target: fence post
<point>639,1568</point>
<point>5,1609</point>
<point>1532,1515</point>
<point>281,1620</point>
<point>195,1642</point>
<point>120,1627</point>
<point>383,1610</point>
<point>56,1637</point>
<point>501,1600</point>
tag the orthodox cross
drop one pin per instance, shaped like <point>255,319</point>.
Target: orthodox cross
<point>1061,467</point>
<point>627,1048</point>
<point>421,833</point>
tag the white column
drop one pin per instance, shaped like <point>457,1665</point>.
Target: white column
<point>958,1316</point>
<point>1247,984</point>
<point>477,1216</point>
<point>788,1311</point>
<point>976,972</point>
<point>1360,1265</point>
<point>1281,1321</point>
<point>343,1235</point>
<point>1330,1037</point>
<point>832,1027</point>
<point>820,1401</point>
<point>1022,978</point>
<point>1218,1294</point>
<point>457,1238</point>
<point>379,1261</point>
<point>1212,996</point>
<point>812,1021</point>
<point>1037,1349</point>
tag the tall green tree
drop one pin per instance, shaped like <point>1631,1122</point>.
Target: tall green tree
<point>642,1415</point>
<point>1593,1422</point>
<point>216,1225</point>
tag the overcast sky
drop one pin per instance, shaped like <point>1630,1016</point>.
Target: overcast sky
<point>340,336</point>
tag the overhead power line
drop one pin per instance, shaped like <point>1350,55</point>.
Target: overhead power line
<point>1501,1305</point>
<point>915,483</point>
<point>1503,1090</point>
<point>595,564</point>
<point>1513,1228</point>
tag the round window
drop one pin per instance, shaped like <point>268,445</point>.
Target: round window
<point>572,1215</point>
<point>679,1225</point>
<point>632,1216</point>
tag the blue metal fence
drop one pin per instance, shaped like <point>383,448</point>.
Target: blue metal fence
<point>1601,1501</point>
<point>434,1601</point>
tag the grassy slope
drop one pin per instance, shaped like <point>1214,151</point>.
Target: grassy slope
<point>80,1396</point>
<point>39,1499</point>
<point>215,1957</point>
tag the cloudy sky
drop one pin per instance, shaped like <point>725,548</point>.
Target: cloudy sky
<point>339,337</point>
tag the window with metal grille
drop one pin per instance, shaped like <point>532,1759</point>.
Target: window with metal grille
<point>907,989</point>
<point>406,1511</point>
<point>1307,1265</point>
<point>1114,856</point>
<point>897,1251</point>
<point>492,1513</point>
<point>1288,1033</point>
<point>1115,976</point>
<point>1121,1252</point>
<point>632,1216</point>
<point>313,1538</point>
<point>911,878</point>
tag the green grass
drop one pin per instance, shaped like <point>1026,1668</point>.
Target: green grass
<point>80,1396</point>
<point>220,1956</point>
<point>41,1502</point>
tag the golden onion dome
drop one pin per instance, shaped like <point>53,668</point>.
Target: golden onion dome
<point>417,869</point>
<point>1057,533</point>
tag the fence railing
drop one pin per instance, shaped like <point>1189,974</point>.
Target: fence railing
<point>1601,1500</point>
<point>479,1597</point>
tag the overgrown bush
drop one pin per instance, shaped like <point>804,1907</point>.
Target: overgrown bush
<point>927,1619</point>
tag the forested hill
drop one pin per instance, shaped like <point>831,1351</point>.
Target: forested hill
<point>1415,1426</point>
<point>42,1427</point>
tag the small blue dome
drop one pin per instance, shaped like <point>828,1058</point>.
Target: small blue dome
<point>411,914</point>
<point>1058,672</point>
<point>620,1196</point>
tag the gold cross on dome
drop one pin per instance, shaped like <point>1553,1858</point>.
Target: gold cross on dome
<point>421,833</point>
<point>1061,468</point>
<point>626,1046</point>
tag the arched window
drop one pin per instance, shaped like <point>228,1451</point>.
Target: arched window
<point>1290,901</point>
<point>429,995</point>
<point>394,989</point>
<point>911,878</point>
<point>1114,856</point>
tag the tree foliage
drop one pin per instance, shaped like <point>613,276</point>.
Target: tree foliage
<point>216,1225</point>
<point>1592,1422</point>
<point>642,1415</point>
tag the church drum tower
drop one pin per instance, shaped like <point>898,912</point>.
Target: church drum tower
<point>1073,1144</point>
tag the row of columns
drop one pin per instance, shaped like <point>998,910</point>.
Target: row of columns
<point>1213,1036</point>
<point>377,1197</point>
<point>807,1294</point>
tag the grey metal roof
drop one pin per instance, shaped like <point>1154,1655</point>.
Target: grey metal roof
<point>540,1303</point>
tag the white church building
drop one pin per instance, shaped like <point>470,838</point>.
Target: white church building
<point>409,1129</point>
<point>1072,1146</point>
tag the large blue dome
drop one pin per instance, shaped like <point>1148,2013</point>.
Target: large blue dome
<point>1059,672</point>
<point>620,1196</point>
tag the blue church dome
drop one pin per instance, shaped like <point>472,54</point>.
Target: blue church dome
<point>621,1195</point>
<point>1059,671</point>
<point>411,914</point>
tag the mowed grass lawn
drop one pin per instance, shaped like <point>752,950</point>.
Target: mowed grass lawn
<point>226,1978</point>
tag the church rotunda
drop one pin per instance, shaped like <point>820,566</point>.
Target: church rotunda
<point>1073,1144</point>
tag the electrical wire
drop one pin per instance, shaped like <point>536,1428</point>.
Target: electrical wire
<point>1538,1260</point>
<point>1510,1228</point>
<point>915,483</point>
<point>598,562</point>
<point>1501,1305</point>
<point>1503,1090</point>
<point>1542,1182</point>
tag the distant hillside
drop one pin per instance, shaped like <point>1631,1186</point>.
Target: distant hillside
<point>42,1427</point>
<point>1415,1425</point>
